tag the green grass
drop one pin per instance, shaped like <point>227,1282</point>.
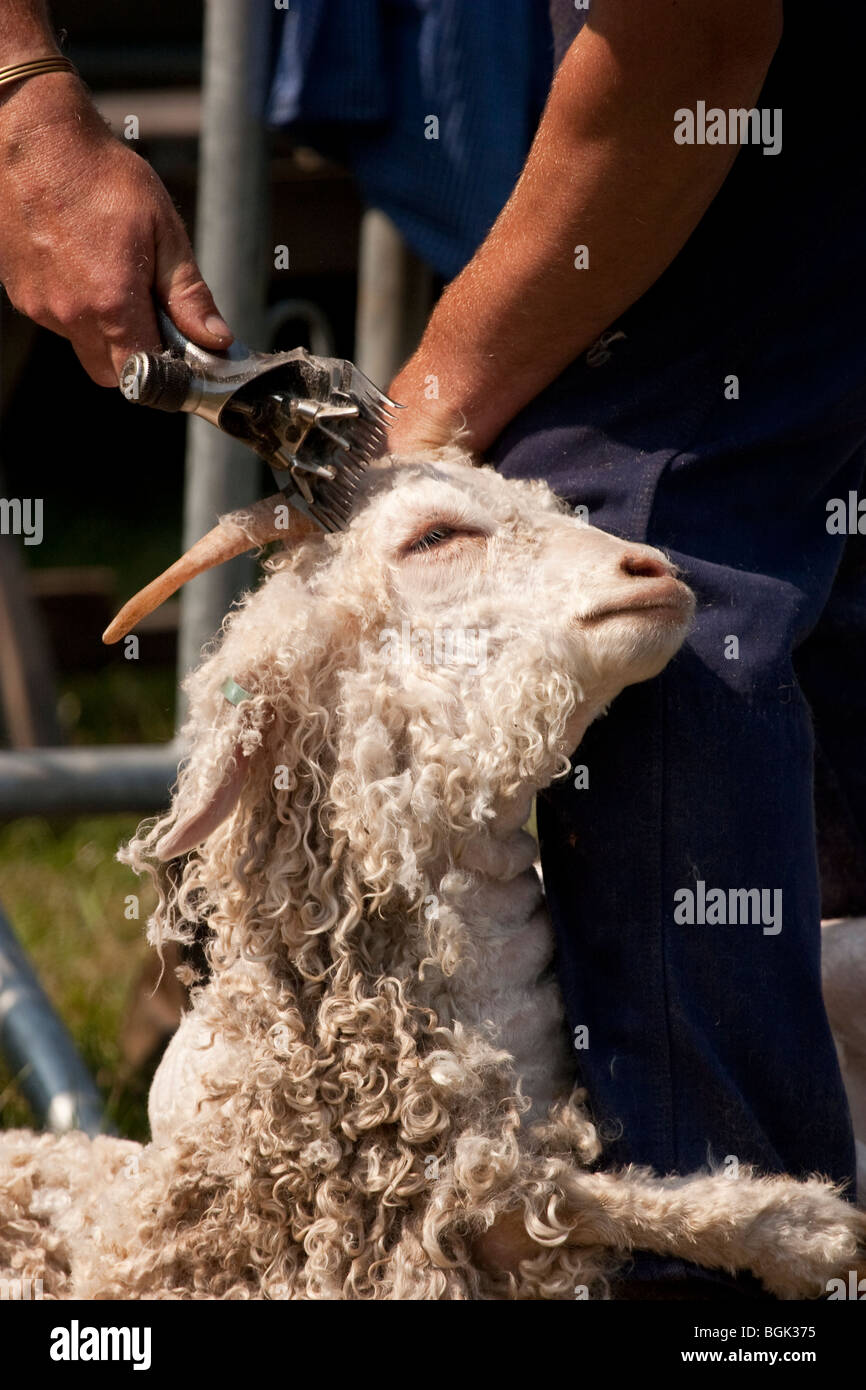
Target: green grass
<point>67,899</point>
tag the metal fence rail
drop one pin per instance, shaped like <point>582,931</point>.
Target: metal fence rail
<point>86,781</point>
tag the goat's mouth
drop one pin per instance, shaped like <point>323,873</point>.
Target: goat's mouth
<point>666,598</point>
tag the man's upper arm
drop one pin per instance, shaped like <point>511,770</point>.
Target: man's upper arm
<point>695,34</point>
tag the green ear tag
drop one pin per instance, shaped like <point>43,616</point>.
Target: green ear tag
<point>233,692</point>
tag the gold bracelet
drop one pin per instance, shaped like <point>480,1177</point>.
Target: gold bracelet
<point>20,71</point>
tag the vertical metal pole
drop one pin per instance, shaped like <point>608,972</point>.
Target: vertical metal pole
<point>395,294</point>
<point>231,231</point>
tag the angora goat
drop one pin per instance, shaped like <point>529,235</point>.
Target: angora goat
<point>377,1073</point>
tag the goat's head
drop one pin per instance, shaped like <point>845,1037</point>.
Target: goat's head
<point>411,679</point>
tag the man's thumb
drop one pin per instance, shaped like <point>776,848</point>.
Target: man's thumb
<point>182,290</point>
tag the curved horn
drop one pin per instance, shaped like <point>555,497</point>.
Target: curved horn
<point>232,535</point>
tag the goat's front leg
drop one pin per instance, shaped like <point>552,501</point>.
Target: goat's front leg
<point>794,1236</point>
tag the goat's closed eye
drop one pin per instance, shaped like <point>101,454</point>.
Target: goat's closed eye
<point>434,537</point>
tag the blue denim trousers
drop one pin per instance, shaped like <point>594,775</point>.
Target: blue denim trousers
<point>717,426</point>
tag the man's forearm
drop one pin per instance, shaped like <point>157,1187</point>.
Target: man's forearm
<point>604,172</point>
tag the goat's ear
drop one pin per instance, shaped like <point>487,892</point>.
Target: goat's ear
<point>194,828</point>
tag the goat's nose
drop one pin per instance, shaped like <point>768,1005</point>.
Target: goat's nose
<point>642,564</point>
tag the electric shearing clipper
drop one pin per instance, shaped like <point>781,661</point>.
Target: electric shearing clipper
<point>317,421</point>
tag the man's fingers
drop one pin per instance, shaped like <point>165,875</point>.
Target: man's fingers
<point>104,342</point>
<point>180,287</point>
<point>142,334</point>
<point>91,350</point>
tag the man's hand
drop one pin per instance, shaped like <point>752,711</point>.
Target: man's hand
<point>501,1249</point>
<point>423,424</point>
<point>604,172</point>
<point>89,233</point>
